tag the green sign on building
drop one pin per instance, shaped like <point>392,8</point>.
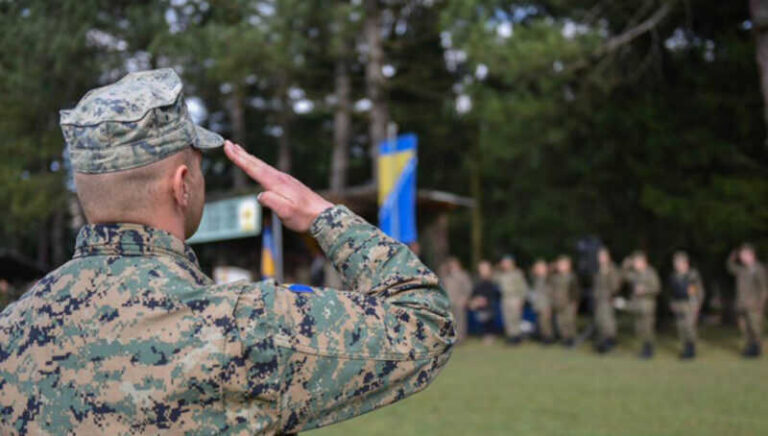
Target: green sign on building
<point>233,218</point>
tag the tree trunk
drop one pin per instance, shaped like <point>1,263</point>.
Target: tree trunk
<point>437,237</point>
<point>284,121</point>
<point>284,160</point>
<point>759,11</point>
<point>237,118</point>
<point>341,128</point>
<point>475,188</point>
<point>374,79</point>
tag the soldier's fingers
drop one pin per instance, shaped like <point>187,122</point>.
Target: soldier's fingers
<point>283,207</point>
<point>257,169</point>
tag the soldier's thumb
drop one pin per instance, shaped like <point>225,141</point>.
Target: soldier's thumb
<point>283,207</point>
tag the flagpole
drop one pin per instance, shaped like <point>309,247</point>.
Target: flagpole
<point>392,142</point>
<point>277,238</point>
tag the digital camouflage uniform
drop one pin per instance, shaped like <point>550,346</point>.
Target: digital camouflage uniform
<point>564,289</point>
<point>751,295</point>
<point>513,291</point>
<point>458,285</point>
<point>607,283</point>
<point>687,290</point>
<point>644,304</point>
<point>130,337</point>
<point>543,305</point>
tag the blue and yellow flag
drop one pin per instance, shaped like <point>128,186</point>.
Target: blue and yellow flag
<point>267,254</point>
<point>397,188</point>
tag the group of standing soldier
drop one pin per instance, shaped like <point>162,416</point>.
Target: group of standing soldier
<point>555,293</point>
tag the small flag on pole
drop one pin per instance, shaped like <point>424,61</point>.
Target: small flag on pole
<point>267,254</point>
<point>397,188</point>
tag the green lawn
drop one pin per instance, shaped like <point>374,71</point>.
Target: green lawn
<point>533,390</point>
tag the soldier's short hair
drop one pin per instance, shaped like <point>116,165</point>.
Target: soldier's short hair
<point>747,246</point>
<point>680,255</point>
<point>507,257</point>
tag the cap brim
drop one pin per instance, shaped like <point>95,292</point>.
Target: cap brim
<point>207,140</point>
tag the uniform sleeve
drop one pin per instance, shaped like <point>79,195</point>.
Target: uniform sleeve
<point>466,283</point>
<point>574,291</point>
<point>627,274</point>
<point>344,353</point>
<point>522,285</point>
<point>762,283</point>
<point>615,280</point>
<point>699,283</point>
<point>732,264</point>
<point>653,284</point>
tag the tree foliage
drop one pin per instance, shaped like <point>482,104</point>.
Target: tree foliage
<point>640,122</point>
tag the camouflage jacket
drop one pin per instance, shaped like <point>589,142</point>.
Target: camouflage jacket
<point>130,337</point>
<point>564,289</point>
<point>459,287</point>
<point>541,293</point>
<point>643,284</point>
<point>512,284</point>
<point>607,282</point>
<point>686,286</point>
<point>751,283</point>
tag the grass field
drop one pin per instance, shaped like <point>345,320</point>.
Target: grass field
<point>536,390</point>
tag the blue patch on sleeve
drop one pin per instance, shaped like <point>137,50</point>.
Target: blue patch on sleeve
<point>301,288</point>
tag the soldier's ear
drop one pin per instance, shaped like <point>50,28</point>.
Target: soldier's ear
<point>181,186</point>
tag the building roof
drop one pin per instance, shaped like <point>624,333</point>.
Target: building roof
<point>364,198</point>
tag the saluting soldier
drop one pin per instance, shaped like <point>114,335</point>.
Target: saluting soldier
<point>607,283</point>
<point>513,288</point>
<point>645,286</point>
<point>130,337</point>
<point>542,301</point>
<point>751,295</point>
<point>687,292</point>
<point>565,299</point>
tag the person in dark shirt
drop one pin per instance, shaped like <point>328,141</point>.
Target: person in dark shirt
<point>485,299</point>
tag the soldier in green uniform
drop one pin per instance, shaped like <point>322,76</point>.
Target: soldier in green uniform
<point>458,284</point>
<point>130,337</point>
<point>565,294</point>
<point>687,291</point>
<point>514,289</point>
<point>751,295</point>
<point>645,286</point>
<point>607,283</point>
<point>542,300</point>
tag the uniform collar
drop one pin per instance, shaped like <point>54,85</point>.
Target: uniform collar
<point>130,240</point>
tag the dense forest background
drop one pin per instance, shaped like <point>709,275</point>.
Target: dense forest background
<point>640,121</point>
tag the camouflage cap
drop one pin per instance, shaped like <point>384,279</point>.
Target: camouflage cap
<point>140,119</point>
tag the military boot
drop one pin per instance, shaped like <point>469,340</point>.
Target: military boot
<point>689,351</point>
<point>751,350</point>
<point>647,351</point>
